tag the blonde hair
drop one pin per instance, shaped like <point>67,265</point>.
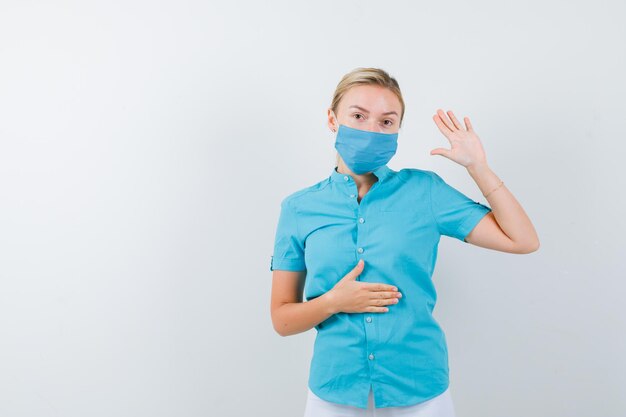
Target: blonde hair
<point>366,76</point>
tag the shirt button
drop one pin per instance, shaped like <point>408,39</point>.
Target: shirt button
<point>368,319</point>
<point>360,250</point>
<point>345,177</point>
<point>361,220</point>
<point>352,195</point>
<point>371,356</point>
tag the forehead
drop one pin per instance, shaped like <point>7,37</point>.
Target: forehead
<point>371,97</point>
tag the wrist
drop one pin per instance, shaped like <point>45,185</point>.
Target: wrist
<point>328,302</point>
<point>478,168</point>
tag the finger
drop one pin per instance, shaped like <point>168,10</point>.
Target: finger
<point>445,120</point>
<point>441,151</point>
<point>375,286</point>
<point>383,301</point>
<point>442,127</point>
<point>454,120</point>
<point>377,309</point>
<point>468,124</point>
<point>385,294</point>
<point>356,271</point>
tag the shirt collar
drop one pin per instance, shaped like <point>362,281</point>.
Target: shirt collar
<point>381,173</point>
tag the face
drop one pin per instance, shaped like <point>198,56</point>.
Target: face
<point>367,107</point>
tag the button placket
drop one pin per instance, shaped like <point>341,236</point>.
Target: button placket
<point>360,219</point>
<point>353,190</point>
<point>360,232</point>
<point>369,329</point>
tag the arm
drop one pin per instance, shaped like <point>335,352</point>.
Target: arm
<point>289,314</point>
<point>507,228</point>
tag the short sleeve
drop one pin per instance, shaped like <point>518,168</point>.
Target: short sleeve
<point>288,246</point>
<point>455,213</point>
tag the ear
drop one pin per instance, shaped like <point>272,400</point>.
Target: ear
<point>332,121</point>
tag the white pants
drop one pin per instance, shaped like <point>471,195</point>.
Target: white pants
<point>439,406</point>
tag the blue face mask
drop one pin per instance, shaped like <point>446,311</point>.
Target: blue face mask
<point>364,151</point>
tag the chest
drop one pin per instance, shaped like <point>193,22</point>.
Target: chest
<point>385,225</point>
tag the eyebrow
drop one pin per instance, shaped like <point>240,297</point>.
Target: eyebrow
<point>367,111</point>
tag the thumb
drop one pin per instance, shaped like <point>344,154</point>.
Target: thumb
<point>441,151</point>
<point>356,271</point>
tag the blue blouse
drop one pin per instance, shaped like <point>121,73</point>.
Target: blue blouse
<point>395,228</point>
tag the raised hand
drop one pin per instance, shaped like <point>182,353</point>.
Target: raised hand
<point>466,148</point>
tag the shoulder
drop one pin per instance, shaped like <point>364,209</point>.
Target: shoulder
<point>301,196</point>
<point>417,176</point>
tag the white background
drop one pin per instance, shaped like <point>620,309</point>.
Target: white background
<point>145,147</point>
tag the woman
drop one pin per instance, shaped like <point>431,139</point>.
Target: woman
<point>362,244</point>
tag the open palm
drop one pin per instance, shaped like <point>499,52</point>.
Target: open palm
<point>466,148</point>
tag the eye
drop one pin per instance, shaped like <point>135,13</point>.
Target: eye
<point>390,122</point>
<point>357,114</point>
